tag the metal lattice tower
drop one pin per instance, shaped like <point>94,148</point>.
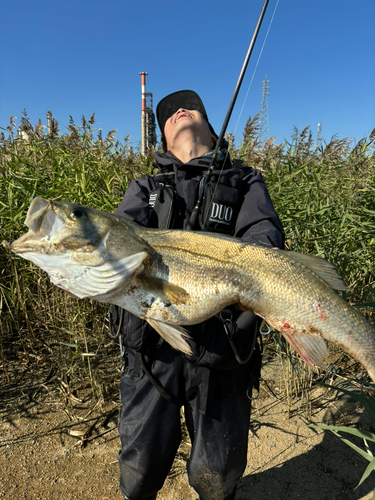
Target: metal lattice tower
<point>150,125</point>
<point>264,132</point>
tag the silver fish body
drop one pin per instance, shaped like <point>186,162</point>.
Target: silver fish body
<point>172,278</point>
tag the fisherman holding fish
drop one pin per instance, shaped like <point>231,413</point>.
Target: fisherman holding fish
<point>214,383</point>
<point>184,341</point>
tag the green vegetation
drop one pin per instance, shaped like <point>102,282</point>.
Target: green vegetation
<point>324,196</point>
<point>37,319</point>
<point>325,199</point>
<point>369,405</point>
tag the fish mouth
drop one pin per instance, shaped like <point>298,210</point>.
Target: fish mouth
<point>35,215</point>
<point>43,223</point>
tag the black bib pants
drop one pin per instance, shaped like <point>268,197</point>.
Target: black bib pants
<point>150,426</point>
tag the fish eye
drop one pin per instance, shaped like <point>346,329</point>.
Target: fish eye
<point>77,214</point>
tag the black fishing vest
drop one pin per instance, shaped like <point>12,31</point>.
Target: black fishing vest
<point>172,204</point>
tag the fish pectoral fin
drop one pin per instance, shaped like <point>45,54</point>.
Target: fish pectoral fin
<point>173,293</point>
<point>173,334</point>
<point>311,348</point>
<point>324,269</point>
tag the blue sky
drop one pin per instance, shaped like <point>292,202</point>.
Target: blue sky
<point>79,57</point>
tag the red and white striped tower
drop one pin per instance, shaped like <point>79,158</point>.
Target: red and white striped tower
<point>143,87</point>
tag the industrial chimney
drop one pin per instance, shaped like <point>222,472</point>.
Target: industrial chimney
<point>148,117</point>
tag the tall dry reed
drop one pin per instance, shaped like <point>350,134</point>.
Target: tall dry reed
<point>324,196</point>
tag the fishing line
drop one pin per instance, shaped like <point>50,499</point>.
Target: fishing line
<point>256,66</point>
<point>244,102</point>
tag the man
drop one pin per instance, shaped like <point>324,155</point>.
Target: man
<point>213,384</point>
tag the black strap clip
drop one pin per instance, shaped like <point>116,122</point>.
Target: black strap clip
<point>230,330</point>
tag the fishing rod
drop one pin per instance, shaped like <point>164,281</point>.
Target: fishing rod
<point>195,212</point>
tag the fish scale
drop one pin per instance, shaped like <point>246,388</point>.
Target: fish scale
<point>173,278</point>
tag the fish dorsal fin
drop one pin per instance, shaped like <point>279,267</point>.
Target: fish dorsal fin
<point>159,287</point>
<point>324,269</point>
<point>173,334</point>
<point>311,348</point>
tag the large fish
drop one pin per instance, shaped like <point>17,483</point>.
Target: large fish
<point>172,278</point>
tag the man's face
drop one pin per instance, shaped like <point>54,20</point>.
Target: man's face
<point>186,119</point>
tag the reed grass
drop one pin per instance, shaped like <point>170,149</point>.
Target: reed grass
<point>324,196</point>
<point>79,166</point>
<point>325,199</point>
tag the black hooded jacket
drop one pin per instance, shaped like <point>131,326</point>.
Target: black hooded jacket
<point>256,223</point>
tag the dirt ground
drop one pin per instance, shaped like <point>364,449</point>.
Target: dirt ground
<point>56,444</point>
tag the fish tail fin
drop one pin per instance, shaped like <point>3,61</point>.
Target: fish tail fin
<point>173,334</point>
